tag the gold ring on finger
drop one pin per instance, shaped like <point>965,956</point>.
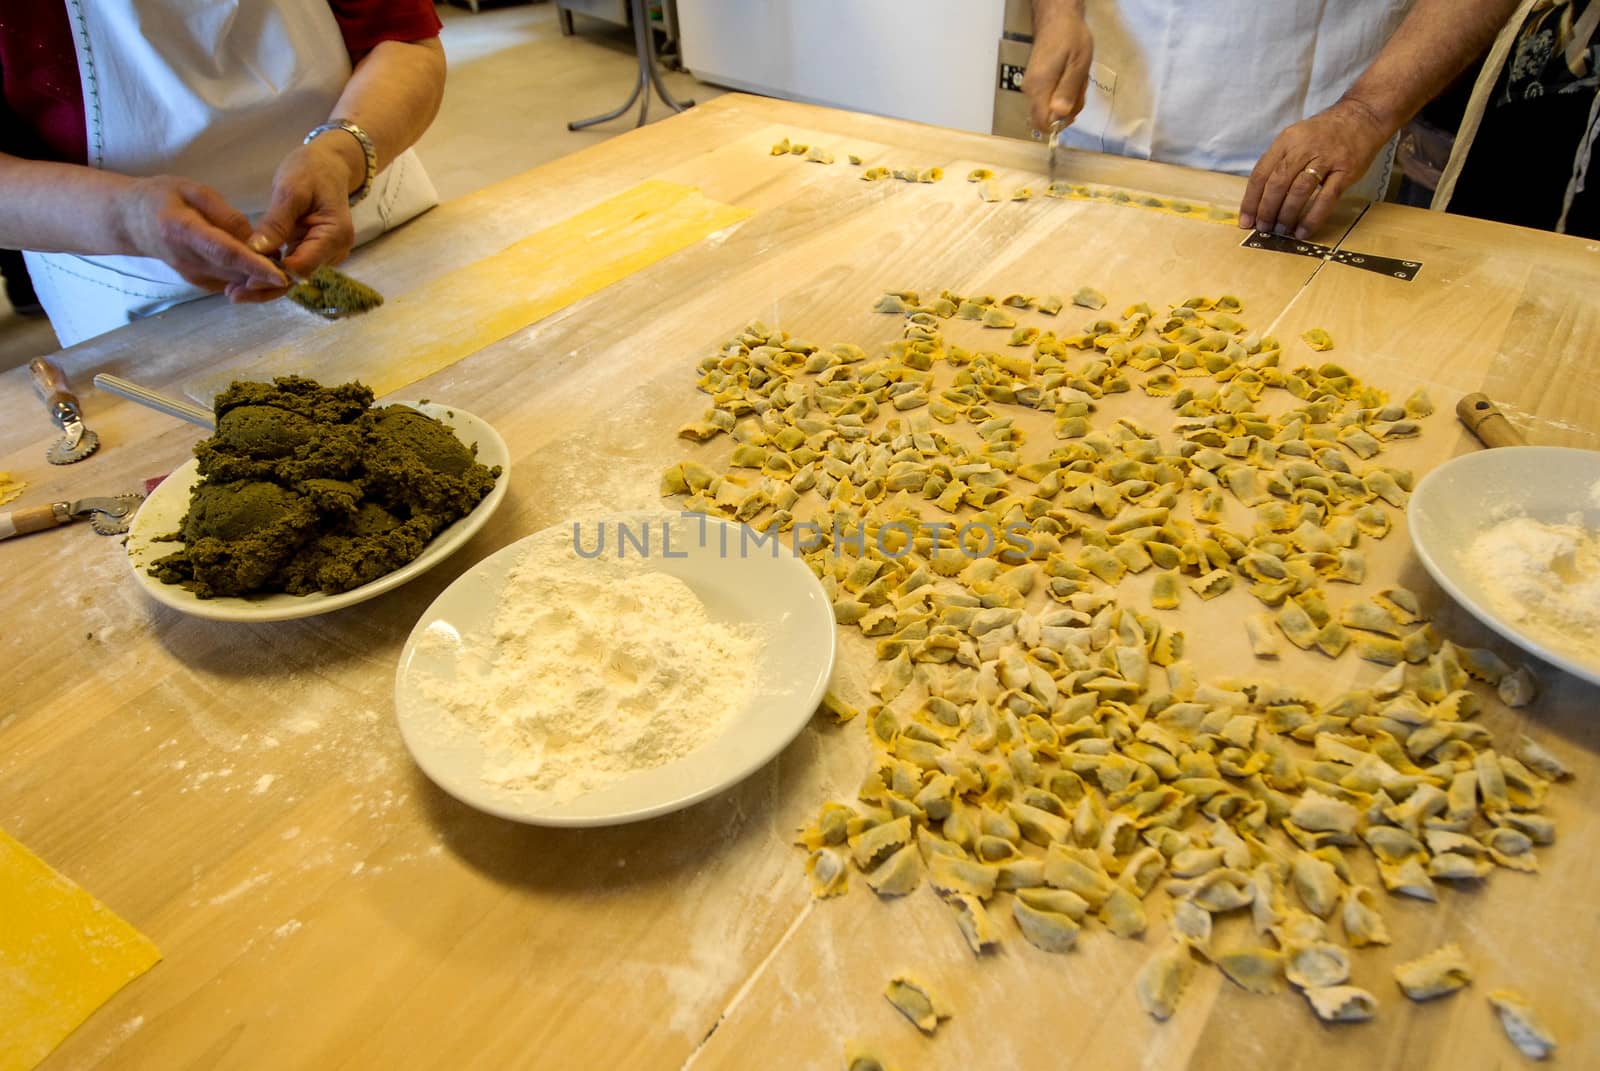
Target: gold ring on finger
<point>1314,173</point>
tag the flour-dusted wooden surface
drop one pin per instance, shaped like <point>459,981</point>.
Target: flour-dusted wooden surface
<point>241,795</point>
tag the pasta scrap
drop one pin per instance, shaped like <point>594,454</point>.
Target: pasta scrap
<point>1342,1003</point>
<point>913,999</point>
<point>1046,930</point>
<point>1439,973</point>
<point>1532,1038</point>
<point>1318,339</point>
<point>1256,970</point>
<point>1089,298</point>
<point>1162,980</point>
<point>859,1057</point>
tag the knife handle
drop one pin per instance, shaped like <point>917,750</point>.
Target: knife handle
<point>52,385</point>
<point>33,519</point>
<point>1485,420</point>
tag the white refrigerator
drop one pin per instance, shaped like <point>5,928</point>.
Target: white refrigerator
<point>933,61</point>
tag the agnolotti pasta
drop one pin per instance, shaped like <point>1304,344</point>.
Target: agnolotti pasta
<point>1342,1003</point>
<point>912,998</point>
<point>1439,973</point>
<point>1531,1037</point>
<point>1037,729</point>
<point>1162,980</point>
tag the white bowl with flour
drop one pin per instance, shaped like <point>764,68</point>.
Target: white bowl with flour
<point>1513,534</point>
<point>615,668</point>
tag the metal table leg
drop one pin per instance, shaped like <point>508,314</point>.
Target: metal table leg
<point>649,76</point>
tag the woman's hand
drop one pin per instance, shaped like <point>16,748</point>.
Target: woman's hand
<point>308,217</point>
<point>194,229</point>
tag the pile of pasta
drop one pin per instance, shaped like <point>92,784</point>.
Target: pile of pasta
<point>1041,746</point>
<point>990,191</point>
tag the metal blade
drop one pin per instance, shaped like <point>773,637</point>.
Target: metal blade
<point>77,444</point>
<point>108,516</point>
<point>1056,127</point>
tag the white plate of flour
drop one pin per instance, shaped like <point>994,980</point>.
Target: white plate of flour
<point>615,668</point>
<point>1513,534</point>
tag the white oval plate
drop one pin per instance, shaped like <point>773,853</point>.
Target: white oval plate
<point>1471,493</point>
<point>778,594</point>
<point>162,513</point>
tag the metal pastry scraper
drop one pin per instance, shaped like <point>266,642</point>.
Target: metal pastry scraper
<point>77,442</point>
<point>1056,127</point>
<point>108,516</point>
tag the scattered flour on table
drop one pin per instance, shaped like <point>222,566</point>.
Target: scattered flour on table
<point>1545,578</point>
<point>594,668</point>
<point>240,889</point>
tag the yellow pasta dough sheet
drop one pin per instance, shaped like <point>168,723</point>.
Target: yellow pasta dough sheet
<point>426,330</point>
<point>62,955</point>
<point>10,487</point>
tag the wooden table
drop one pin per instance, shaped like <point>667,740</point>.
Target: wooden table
<point>241,794</point>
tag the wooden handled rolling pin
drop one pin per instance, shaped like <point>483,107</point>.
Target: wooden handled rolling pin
<point>1485,420</point>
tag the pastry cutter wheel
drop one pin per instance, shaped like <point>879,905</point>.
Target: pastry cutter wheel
<point>77,442</point>
<point>108,516</point>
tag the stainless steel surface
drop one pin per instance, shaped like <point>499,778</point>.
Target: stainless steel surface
<point>161,403</point>
<point>649,76</point>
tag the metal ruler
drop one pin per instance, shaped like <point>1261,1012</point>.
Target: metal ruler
<point>1283,243</point>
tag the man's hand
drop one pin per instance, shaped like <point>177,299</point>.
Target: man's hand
<point>1297,182</point>
<point>309,214</point>
<point>194,229</point>
<point>1058,67</point>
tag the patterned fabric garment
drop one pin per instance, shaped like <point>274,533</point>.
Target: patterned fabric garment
<point>1557,51</point>
<point>1532,160</point>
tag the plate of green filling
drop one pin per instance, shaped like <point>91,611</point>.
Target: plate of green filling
<point>308,499</point>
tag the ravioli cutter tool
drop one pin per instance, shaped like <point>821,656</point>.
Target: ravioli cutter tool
<point>108,516</point>
<point>77,442</point>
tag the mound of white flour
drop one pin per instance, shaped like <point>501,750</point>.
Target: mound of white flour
<point>595,669</point>
<point>1545,578</point>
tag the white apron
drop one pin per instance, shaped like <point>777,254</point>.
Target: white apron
<point>218,91</point>
<point>1210,83</point>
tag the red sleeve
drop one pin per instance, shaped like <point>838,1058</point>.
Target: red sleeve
<point>367,23</point>
<point>41,97</point>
